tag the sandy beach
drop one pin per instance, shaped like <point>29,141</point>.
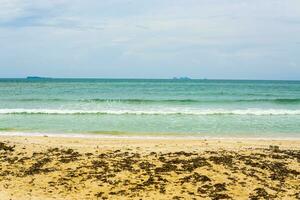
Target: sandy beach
<point>83,168</point>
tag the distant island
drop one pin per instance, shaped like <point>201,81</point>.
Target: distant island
<point>182,78</point>
<point>36,78</point>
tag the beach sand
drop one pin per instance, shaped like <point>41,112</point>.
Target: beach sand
<point>83,168</point>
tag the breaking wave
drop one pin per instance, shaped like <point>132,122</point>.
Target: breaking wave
<point>177,111</point>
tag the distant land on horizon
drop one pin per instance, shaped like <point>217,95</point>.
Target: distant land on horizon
<point>140,78</point>
<point>36,77</point>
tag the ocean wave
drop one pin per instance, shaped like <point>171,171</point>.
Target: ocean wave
<point>278,100</point>
<point>187,101</point>
<point>143,100</point>
<point>153,112</point>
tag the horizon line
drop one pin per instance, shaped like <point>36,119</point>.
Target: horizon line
<point>124,78</point>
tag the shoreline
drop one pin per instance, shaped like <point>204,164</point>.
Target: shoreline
<point>135,136</point>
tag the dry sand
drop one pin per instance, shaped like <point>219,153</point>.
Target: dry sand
<point>77,168</point>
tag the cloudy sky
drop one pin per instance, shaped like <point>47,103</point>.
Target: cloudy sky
<point>244,39</point>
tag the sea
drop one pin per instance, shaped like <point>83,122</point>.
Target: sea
<point>151,108</point>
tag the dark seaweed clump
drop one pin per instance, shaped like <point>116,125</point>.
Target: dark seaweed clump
<point>5,147</point>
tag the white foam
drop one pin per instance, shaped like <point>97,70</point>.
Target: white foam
<point>142,137</point>
<point>156,112</point>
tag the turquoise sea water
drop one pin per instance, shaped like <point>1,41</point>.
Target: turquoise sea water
<point>204,108</point>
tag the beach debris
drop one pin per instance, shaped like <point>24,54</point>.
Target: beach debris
<point>274,148</point>
<point>37,167</point>
<point>166,167</point>
<point>226,160</point>
<point>177,198</point>
<point>260,193</point>
<point>5,147</point>
<point>129,173</point>
<point>195,178</point>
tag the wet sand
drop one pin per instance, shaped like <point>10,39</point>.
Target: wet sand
<point>82,168</point>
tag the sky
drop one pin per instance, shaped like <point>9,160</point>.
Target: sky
<point>217,39</point>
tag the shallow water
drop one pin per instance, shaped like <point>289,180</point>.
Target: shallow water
<point>209,108</point>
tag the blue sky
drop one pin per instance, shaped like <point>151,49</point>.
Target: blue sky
<point>239,39</point>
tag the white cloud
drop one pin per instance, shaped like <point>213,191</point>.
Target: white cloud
<point>11,9</point>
